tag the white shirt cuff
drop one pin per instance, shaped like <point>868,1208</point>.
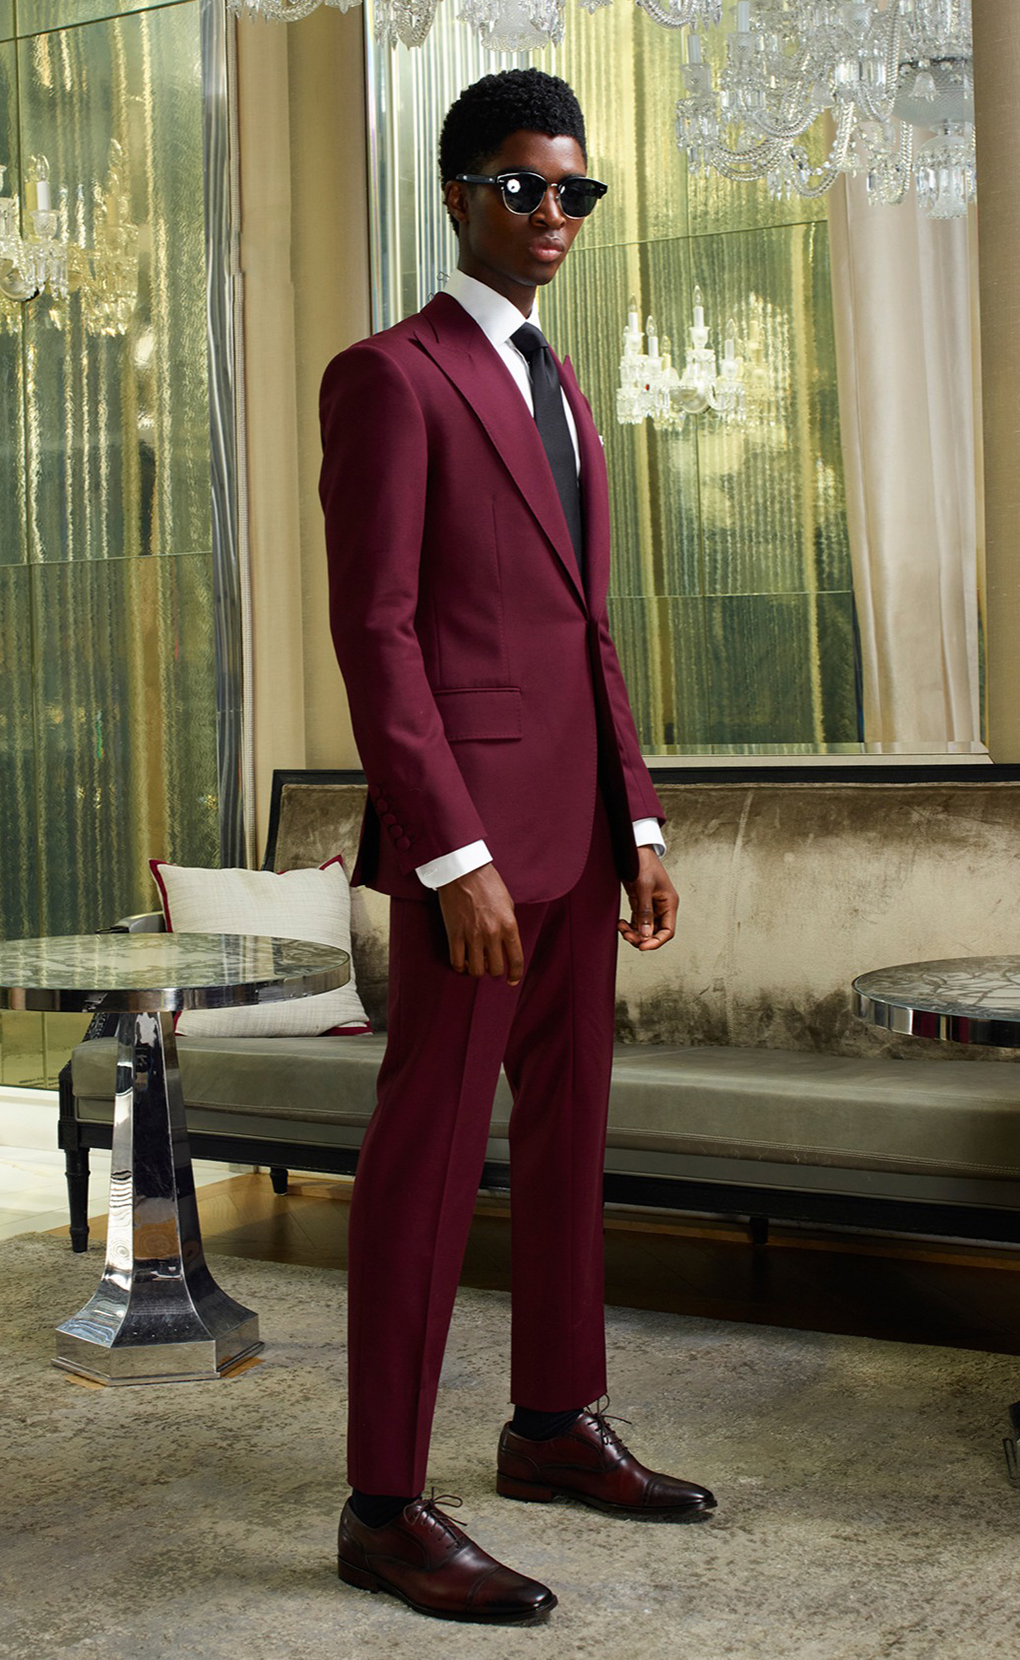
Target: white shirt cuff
<point>451,865</point>
<point>648,833</point>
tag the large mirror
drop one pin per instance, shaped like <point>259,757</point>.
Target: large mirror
<point>808,581</point>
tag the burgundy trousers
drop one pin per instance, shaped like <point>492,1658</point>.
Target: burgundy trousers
<point>422,1159</point>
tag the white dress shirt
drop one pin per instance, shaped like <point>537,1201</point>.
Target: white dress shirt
<point>498,319</point>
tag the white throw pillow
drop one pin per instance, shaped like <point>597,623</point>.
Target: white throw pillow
<point>310,905</point>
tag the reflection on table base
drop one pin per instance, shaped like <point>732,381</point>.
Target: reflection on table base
<point>158,1315</point>
<point>194,1362</point>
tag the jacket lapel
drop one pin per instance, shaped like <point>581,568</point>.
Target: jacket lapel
<point>459,348</point>
<point>594,489</point>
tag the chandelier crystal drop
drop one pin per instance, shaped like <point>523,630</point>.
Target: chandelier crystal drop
<point>878,72</point>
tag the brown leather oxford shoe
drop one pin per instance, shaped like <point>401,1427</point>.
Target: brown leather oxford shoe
<point>590,1463</point>
<point>430,1563</point>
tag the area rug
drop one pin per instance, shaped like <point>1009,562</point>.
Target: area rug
<point>864,1511</point>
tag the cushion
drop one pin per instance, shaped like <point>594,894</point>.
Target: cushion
<point>312,905</point>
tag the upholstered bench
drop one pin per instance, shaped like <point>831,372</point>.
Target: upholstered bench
<point>789,888</point>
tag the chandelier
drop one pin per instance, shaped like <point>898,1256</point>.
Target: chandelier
<point>651,388</point>
<point>106,275</point>
<point>501,25</point>
<point>879,70</point>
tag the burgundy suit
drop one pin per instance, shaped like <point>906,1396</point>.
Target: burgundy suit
<point>488,704</point>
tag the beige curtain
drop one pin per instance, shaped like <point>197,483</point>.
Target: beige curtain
<point>304,258</point>
<point>904,294</point>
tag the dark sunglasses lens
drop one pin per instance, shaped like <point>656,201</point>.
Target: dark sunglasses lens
<point>578,197</point>
<point>522,192</point>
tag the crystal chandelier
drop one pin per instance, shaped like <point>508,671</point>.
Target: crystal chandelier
<point>106,276</point>
<point>501,25</point>
<point>651,388</point>
<point>28,265</point>
<point>880,69</point>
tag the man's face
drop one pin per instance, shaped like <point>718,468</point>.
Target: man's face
<point>515,253</point>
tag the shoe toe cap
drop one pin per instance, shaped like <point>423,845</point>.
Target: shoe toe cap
<point>506,1594</point>
<point>669,1493</point>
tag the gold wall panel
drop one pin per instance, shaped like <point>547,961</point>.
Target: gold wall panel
<point>772,505</point>
<point>6,19</point>
<point>653,480</point>
<point>126,732</point>
<point>626,71</point>
<point>38,16</point>
<point>118,426</point>
<point>19,852</point>
<point>22,1051</point>
<point>13,541</point>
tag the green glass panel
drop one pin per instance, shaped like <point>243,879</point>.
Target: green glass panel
<point>37,16</point>
<point>653,482</point>
<point>13,544</point>
<point>773,513</point>
<point>19,875</point>
<point>662,649</point>
<point>126,732</point>
<point>780,669</point>
<point>118,425</point>
<point>22,1051</point>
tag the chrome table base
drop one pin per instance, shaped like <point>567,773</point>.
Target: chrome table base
<point>158,1315</point>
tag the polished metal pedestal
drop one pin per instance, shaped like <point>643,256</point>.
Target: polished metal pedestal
<point>972,1000</point>
<point>157,1314</point>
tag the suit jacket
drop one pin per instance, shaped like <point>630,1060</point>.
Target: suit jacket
<point>485,692</point>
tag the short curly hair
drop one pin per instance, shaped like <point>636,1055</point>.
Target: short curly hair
<point>480,121</point>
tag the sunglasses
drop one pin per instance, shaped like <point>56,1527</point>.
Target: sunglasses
<point>523,191</point>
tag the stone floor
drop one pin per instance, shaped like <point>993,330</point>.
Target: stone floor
<point>33,1192</point>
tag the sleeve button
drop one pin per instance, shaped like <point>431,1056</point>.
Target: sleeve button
<point>403,842</point>
<point>381,804</point>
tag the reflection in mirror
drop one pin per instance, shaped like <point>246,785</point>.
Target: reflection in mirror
<point>808,581</point>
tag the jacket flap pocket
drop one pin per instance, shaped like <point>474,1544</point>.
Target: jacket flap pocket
<point>480,712</point>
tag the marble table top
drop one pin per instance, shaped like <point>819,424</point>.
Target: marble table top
<point>958,999</point>
<point>95,972</point>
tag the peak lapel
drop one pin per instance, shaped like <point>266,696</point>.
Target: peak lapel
<point>459,348</point>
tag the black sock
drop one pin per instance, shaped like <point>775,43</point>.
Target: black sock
<point>376,1509</point>
<point>542,1426</point>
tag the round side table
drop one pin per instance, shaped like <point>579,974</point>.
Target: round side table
<point>157,1314</point>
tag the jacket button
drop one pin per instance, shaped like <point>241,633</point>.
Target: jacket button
<point>403,843</point>
<point>380,804</point>
<point>389,818</point>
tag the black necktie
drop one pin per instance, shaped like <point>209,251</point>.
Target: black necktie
<point>553,429</point>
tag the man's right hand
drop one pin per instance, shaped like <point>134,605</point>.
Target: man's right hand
<point>481,926</point>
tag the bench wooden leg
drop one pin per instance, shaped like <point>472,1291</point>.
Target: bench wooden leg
<point>76,1164</point>
<point>759,1230</point>
<point>279,1177</point>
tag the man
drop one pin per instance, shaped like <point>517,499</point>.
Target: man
<point>468,534</point>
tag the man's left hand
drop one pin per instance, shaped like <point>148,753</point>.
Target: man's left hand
<point>653,904</point>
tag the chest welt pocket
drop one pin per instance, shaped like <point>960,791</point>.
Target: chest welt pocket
<point>480,712</point>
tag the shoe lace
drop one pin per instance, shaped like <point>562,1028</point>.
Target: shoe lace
<point>598,1412</point>
<point>431,1511</point>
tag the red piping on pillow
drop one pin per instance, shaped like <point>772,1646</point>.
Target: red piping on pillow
<point>154,865</point>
